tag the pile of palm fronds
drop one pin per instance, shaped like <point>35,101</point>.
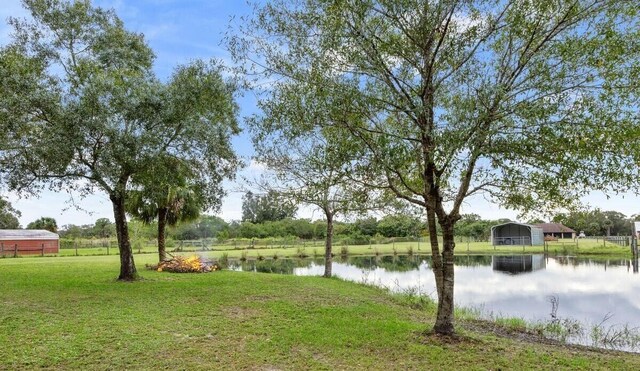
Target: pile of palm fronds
<point>181,264</point>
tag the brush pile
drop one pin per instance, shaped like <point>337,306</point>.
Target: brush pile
<point>192,264</point>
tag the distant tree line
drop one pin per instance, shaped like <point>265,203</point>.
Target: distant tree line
<point>208,226</point>
<point>597,222</point>
<point>593,223</point>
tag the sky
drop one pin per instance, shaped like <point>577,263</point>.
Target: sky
<point>180,31</point>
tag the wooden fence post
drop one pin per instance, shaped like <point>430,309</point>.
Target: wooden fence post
<point>108,244</point>
<point>15,250</point>
<point>75,244</point>
<point>42,254</point>
<point>2,249</point>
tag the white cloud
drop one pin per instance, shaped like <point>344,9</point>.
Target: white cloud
<point>257,166</point>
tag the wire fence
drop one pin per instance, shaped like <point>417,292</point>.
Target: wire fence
<point>110,246</point>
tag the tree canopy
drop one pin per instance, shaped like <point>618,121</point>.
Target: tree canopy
<point>270,206</point>
<point>524,102</point>
<point>8,215</point>
<point>44,222</point>
<point>86,112</point>
<point>306,167</point>
<point>595,222</point>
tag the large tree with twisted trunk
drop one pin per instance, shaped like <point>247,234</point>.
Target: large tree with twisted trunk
<point>529,103</point>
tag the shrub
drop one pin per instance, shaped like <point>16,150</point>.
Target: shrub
<point>344,250</point>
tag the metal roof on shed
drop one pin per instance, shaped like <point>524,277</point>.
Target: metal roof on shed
<point>516,223</point>
<point>27,234</point>
<point>555,228</point>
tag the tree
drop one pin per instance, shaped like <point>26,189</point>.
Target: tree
<point>210,226</point>
<point>8,215</point>
<point>103,228</point>
<point>367,226</point>
<point>523,101</point>
<point>44,222</point>
<point>596,222</point>
<point>266,207</point>
<point>306,166</point>
<point>471,225</point>
<point>399,226</point>
<point>71,231</point>
<point>169,199</point>
<point>87,114</point>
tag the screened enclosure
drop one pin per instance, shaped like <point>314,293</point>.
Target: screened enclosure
<point>517,234</point>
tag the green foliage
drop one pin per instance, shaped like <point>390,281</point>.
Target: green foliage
<point>8,215</point>
<point>267,207</point>
<point>595,222</point>
<point>101,69</point>
<point>400,226</point>
<point>471,225</point>
<point>47,223</point>
<point>526,102</point>
<point>104,228</point>
<point>367,226</point>
<point>85,112</point>
<point>206,226</point>
<point>344,251</point>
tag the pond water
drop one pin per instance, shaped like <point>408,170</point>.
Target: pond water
<point>589,291</point>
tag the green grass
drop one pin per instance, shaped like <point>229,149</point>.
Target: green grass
<point>70,313</point>
<point>591,248</point>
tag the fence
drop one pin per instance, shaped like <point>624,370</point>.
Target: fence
<point>110,246</point>
<point>618,240</point>
<point>28,248</point>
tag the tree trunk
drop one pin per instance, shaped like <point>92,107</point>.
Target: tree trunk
<point>444,318</point>
<point>162,223</point>
<point>328,258</point>
<point>436,258</point>
<point>127,266</point>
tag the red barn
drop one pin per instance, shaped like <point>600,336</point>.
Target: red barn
<point>14,242</point>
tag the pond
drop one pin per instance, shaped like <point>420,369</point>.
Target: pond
<point>604,293</point>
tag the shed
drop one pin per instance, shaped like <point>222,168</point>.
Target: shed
<point>15,242</point>
<point>513,233</point>
<point>557,230</point>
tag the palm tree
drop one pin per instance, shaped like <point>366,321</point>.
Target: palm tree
<point>171,191</point>
<point>169,206</point>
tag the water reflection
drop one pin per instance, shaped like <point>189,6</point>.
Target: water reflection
<point>511,264</point>
<point>517,264</point>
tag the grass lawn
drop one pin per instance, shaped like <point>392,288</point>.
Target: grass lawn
<point>70,313</point>
<point>587,247</point>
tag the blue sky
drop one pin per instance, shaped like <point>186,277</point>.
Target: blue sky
<point>180,31</point>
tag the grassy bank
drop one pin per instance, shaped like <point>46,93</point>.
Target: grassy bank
<point>592,248</point>
<point>69,313</point>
